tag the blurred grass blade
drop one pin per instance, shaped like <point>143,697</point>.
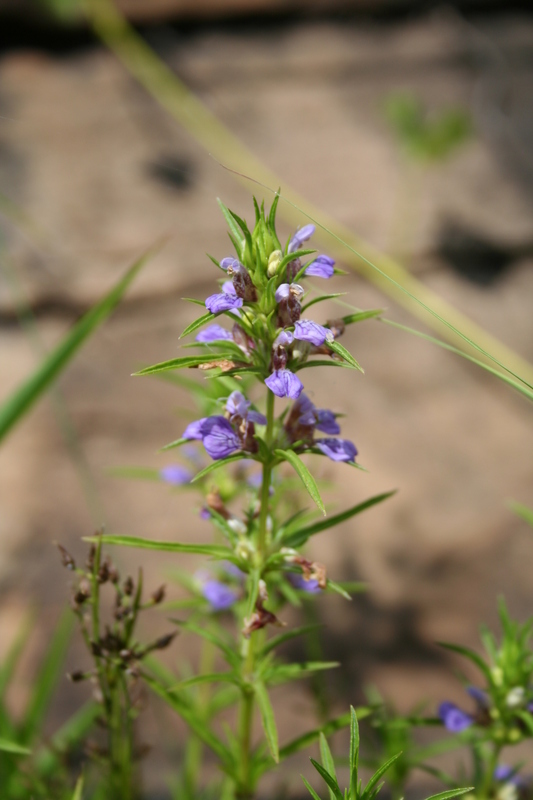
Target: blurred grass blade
<point>14,748</point>
<point>78,791</point>
<point>218,551</point>
<point>29,392</point>
<point>522,511</point>
<point>49,674</point>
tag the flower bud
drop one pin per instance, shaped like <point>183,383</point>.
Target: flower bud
<point>273,262</point>
<point>515,697</point>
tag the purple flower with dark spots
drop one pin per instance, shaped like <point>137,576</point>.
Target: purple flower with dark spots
<point>214,333</point>
<point>337,449</point>
<point>219,439</point>
<point>301,236</point>
<point>284,383</point>
<point>454,718</point>
<point>326,422</point>
<point>298,581</point>
<point>224,301</point>
<point>322,267</point>
<point>219,596</point>
<point>308,331</point>
<point>175,474</point>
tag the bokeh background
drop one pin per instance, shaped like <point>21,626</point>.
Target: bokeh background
<point>93,172</point>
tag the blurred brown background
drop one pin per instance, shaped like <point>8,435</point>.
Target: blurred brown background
<point>102,172</point>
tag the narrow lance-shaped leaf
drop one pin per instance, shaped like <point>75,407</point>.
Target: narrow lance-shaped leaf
<point>310,789</point>
<point>354,753</point>
<point>307,479</point>
<point>338,348</point>
<point>203,320</point>
<point>33,387</point>
<point>471,655</point>
<point>14,748</point>
<point>376,776</point>
<point>221,462</point>
<point>327,761</point>
<point>299,537</point>
<point>267,717</point>
<point>215,550</point>
<point>184,362</point>
<point>329,779</point>
<point>447,795</point>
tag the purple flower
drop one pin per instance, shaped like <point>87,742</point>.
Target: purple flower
<point>322,267</point>
<point>224,301</point>
<point>479,696</point>
<point>214,333</point>
<point>237,406</point>
<point>298,581</point>
<point>205,513</point>
<point>283,339</point>
<point>337,449</point>
<point>219,596</point>
<point>326,422</point>
<point>285,383</point>
<point>233,570</point>
<point>175,474</point>
<point>455,719</point>
<point>194,430</point>
<point>229,261</point>
<point>286,289</point>
<point>308,331</point>
<point>301,236</point>
<point>219,438</point>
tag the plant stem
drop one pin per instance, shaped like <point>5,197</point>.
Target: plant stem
<point>244,789</point>
<point>267,475</point>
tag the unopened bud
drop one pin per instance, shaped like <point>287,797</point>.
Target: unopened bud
<point>273,262</point>
<point>237,525</point>
<point>164,641</point>
<point>515,697</point>
<point>128,586</point>
<point>66,558</point>
<point>159,595</point>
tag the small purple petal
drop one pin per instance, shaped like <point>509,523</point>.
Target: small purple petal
<point>298,581</point>
<point>308,331</point>
<point>337,449</point>
<point>257,417</point>
<point>232,570</point>
<point>229,261</point>
<point>220,440</point>
<point>282,292</point>
<point>175,474</point>
<point>284,383</point>
<point>228,287</point>
<point>216,303</point>
<point>300,237</point>
<point>455,720</point>
<point>219,596</point>
<point>326,422</point>
<point>503,773</point>
<point>205,513</point>
<point>283,339</point>
<point>214,333</point>
<point>322,267</point>
<point>479,696</point>
<point>194,429</point>
<point>237,404</point>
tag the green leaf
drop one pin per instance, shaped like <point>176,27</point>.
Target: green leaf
<point>78,791</point>
<point>321,298</point>
<point>359,316</point>
<point>472,656</point>
<point>197,324</point>
<point>451,793</point>
<point>232,225</point>
<point>522,511</point>
<point>70,735</point>
<point>208,677</point>
<point>275,641</point>
<point>329,779</point>
<point>307,479</point>
<point>215,550</point>
<point>330,727</point>
<point>320,362</point>
<point>281,673</point>
<point>310,789</point>
<point>377,775</point>
<point>230,655</point>
<point>49,675</point>
<point>13,747</point>
<point>176,443</point>
<point>354,752</point>
<point>184,362</point>
<point>267,717</point>
<point>10,662</point>
<point>194,720</point>
<point>33,387</point>
<point>338,589</point>
<point>221,462</point>
<point>300,537</point>
<point>338,348</point>
<point>327,762</point>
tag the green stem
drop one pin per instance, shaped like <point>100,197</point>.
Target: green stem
<point>491,762</point>
<point>244,790</point>
<point>267,475</point>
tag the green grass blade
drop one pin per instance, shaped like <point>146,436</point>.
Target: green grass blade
<point>78,790</point>
<point>48,677</point>
<point>22,399</point>
<point>306,477</point>
<point>14,748</point>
